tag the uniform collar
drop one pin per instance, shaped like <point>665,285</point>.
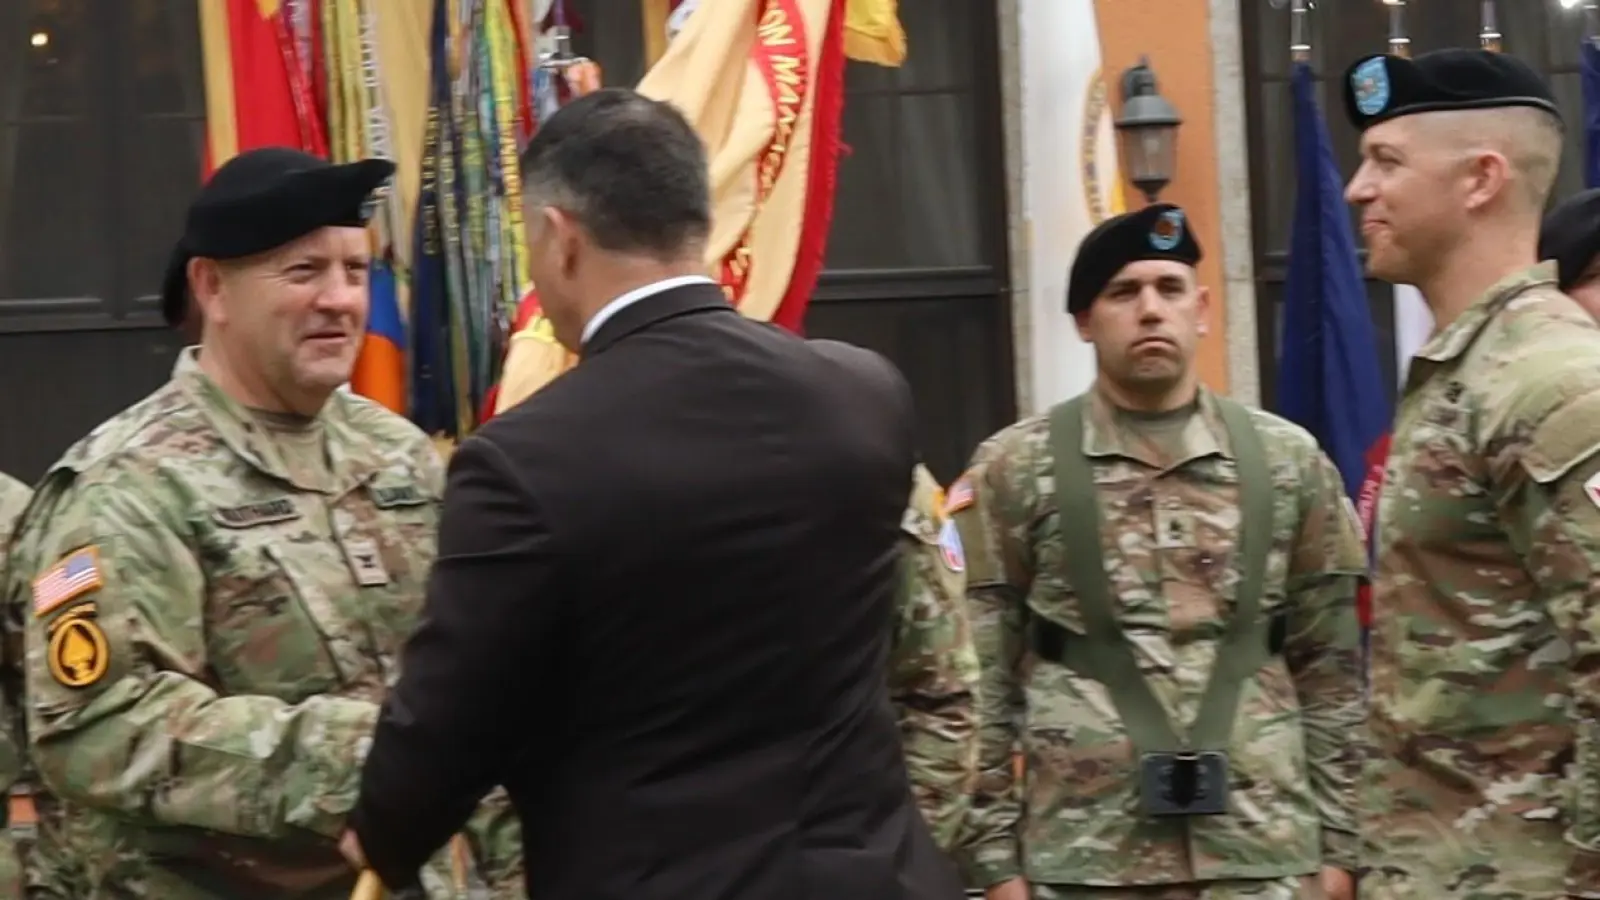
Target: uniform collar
<point>1453,340</point>
<point>1105,434</point>
<point>238,429</point>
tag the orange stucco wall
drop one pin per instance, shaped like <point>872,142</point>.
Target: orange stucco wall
<point>1172,34</point>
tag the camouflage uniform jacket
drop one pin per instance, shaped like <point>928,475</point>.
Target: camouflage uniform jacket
<point>1485,780</point>
<point>1170,531</point>
<point>208,632</point>
<point>933,670</point>
<point>14,496</point>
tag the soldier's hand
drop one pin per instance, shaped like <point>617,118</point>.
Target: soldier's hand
<point>1337,884</point>
<point>1015,889</point>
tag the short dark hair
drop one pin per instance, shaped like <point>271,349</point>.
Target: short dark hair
<point>631,169</point>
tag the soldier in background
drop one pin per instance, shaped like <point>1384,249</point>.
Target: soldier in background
<point>1570,237</point>
<point>1485,776</point>
<point>215,583</point>
<point>1187,699</point>
<point>14,497</point>
<point>933,669</point>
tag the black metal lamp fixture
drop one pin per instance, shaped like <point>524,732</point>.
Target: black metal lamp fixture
<point>1149,129</point>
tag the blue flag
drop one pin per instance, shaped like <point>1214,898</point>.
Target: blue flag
<point>1590,72</point>
<point>1329,378</point>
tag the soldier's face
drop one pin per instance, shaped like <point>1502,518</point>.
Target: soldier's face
<point>1146,325</point>
<point>295,316</point>
<point>1408,192</point>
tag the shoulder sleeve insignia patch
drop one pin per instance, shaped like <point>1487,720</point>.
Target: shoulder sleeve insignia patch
<point>75,575</point>
<point>78,654</point>
<point>959,496</point>
<point>950,549</point>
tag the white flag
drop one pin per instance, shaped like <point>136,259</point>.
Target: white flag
<point>1413,323</point>
<point>1070,176</point>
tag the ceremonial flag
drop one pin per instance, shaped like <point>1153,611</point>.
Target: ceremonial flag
<point>1069,146</point>
<point>257,94</point>
<point>1590,73</point>
<point>762,81</point>
<point>1328,373</point>
<point>380,371</point>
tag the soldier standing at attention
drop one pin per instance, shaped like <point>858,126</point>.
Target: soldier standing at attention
<point>1162,588</point>
<point>933,669</point>
<point>1485,777</point>
<point>215,584</point>
<point>14,497</point>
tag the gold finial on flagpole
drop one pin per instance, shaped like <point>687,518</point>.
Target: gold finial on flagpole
<point>1489,34</point>
<point>1299,32</point>
<point>1399,44</point>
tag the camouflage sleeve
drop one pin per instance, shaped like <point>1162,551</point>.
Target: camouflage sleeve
<point>1323,653</point>
<point>933,673</point>
<point>119,710</point>
<point>992,512</point>
<point>1549,489</point>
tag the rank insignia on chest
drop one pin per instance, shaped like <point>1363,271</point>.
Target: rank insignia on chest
<point>78,653</point>
<point>950,549</point>
<point>250,515</point>
<point>75,575</point>
<point>366,561</point>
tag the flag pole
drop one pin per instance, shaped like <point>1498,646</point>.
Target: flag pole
<point>1399,44</point>
<point>1591,21</point>
<point>1299,32</point>
<point>1489,34</point>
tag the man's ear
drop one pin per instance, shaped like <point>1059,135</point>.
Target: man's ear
<point>205,290</point>
<point>1202,302</point>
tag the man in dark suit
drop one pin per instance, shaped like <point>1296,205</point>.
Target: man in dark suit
<point>661,609</point>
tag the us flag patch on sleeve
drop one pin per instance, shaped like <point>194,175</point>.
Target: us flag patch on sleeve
<point>75,575</point>
<point>959,496</point>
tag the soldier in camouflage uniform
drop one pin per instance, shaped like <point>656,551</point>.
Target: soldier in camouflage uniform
<point>14,496</point>
<point>933,670</point>
<point>1484,782</point>
<point>1182,481</point>
<point>216,583</point>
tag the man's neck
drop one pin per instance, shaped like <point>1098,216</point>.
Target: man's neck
<point>1184,393</point>
<point>1466,275</point>
<point>632,276</point>
<point>253,393</point>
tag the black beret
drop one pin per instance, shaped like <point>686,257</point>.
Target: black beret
<point>1571,236</point>
<point>1159,231</point>
<point>265,198</point>
<point>1378,88</point>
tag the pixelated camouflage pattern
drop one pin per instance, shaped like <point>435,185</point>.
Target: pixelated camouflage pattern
<point>14,496</point>
<point>221,751</point>
<point>1170,511</point>
<point>1484,781</point>
<point>933,669</point>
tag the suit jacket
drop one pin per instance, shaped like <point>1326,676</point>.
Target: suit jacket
<point>660,618</point>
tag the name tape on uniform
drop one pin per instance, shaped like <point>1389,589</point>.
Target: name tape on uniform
<point>75,575</point>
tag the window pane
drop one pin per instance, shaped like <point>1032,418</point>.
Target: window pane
<point>45,59</point>
<point>163,40</point>
<point>53,230</point>
<point>161,172</point>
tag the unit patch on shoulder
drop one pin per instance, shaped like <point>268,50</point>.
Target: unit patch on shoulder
<point>959,496</point>
<point>75,575</point>
<point>78,654</point>
<point>950,549</point>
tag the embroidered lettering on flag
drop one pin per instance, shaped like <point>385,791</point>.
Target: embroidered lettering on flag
<point>73,576</point>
